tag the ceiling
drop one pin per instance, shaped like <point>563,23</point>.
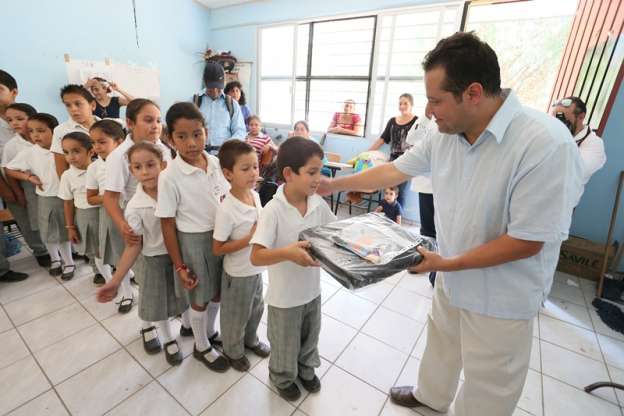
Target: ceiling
<point>214,4</point>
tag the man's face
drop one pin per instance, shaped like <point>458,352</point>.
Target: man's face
<point>450,115</point>
<point>213,92</point>
<point>569,112</point>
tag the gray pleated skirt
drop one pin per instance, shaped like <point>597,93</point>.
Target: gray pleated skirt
<point>31,204</point>
<point>196,249</point>
<point>111,242</point>
<point>157,293</point>
<point>87,222</point>
<point>51,220</point>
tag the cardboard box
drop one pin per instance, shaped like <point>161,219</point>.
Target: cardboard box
<point>583,258</point>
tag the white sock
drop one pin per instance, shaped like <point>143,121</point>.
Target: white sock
<point>125,288</point>
<point>186,318</point>
<point>211,318</point>
<point>66,253</point>
<point>164,329</point>
<point>103,269</point>
<point>53,249</point>
<point>198,322</point>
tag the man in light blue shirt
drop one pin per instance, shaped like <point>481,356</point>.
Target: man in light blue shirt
<point>223,114</point>
<point>505,180</point>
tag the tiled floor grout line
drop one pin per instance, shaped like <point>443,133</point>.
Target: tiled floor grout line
<point>52,386</point>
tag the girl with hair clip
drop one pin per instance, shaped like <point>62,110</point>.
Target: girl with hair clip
<point>157,296</point>
<point>36,165</point>
<point>143,120</point>
<point>107,106</point>
<point>81,218</point>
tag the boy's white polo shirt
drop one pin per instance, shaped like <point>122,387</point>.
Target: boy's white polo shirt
<point>62,129</point>
<point>279,225</point>
<point>15,145</point>
<point>191,195</point>
<point>234,221</point>
<point>96,176</point>
<point>40,162</point>
<point>73,187</point>
<point>118,176</point>
<point>140,216</point>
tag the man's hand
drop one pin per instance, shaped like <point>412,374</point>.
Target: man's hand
<point>298,254</point>
<point>324,188</point>
<point>431,262</point>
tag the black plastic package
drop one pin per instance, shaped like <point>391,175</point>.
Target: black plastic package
<point>366,249</point>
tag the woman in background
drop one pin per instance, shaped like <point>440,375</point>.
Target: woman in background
<point>235,90</point>
<point>107,106</point>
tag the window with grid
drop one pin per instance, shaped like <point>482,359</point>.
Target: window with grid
<point>308,70</point>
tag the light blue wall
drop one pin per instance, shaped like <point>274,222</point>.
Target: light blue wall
<point>35,35</point>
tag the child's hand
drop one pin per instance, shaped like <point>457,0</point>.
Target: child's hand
<point>34,179</point>
<point>188,278</point>
<point>379,209</point>
<point>298,254</point>
<point>129,235</point>
<point>113,86</point>
<point>73,235</point>
<point>107,292</point>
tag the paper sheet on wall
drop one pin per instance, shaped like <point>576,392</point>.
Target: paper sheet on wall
<point>138,81</point>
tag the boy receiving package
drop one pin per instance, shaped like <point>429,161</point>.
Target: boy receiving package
<point>241,285</point>
<point>294,293</point>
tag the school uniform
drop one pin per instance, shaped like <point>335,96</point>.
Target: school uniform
<point>118,177</point>
<point>73,187</point>
<point>110,241</point>
<point>26,218</point>
<point>50,217</point>
<point>192,196</point>
<point>64,128</point>
<point>241,287</point>
<point>294,293</point>
<point>157,297</point>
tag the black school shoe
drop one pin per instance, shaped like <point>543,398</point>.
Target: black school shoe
<point>99,280</point>
<point>240,364</point>
<point>220,365</point>
<point>43,260</point>
<point>313,386</point>
<point>12,276</point>
<point>175,358</point>
<point>125,305</point>
<point>186,332</point>
<point>68,272</point>
<point>261,349</point>
<point>153,345</point>
<point>56,268</point>
<point>215,341</point>
<point>290,393</point>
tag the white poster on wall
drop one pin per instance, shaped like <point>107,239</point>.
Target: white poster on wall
<point>138,81</point>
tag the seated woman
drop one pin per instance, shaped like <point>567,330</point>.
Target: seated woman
<point>348,122</point>
<point>235,90</point>
<point>107,106</point>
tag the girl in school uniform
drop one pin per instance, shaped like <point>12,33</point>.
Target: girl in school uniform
<point>36,165</point>
<point>24,208</point>
<point>189,192</point>
<point>157,298</point>
<point>143,120</point>
<point>106,135</point>
<point>81,218</point>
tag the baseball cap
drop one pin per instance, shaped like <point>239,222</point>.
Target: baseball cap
<point>214,75</point>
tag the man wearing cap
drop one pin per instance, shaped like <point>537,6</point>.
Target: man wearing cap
<point>591,147</point>
<point>223,114</point>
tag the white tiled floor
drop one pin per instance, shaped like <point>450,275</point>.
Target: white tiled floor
<point>63,353</point>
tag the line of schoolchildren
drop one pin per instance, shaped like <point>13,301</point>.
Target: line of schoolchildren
<point>191,226</point>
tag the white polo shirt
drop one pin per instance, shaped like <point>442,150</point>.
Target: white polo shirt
<point>234,221</point>
<point>40,162</point>
<point>96,176</point>
<point>279,225</point>
<point>191,195</point>
<point>62,129</point>
<point>118,176</point>
<point>6,133</point>
<point>140,216</point>
<point>15,145</point>
<point>591,148</point>
<point>73,186</point>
